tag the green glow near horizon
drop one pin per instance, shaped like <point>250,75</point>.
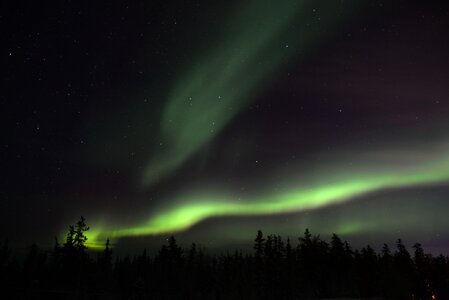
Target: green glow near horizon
<point>215,88</point>
<point>258,40</point>
<point>193,210</point>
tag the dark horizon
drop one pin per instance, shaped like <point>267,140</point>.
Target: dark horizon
<point>276,268</point>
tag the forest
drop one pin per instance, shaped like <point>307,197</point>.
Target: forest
<point>306,267</point>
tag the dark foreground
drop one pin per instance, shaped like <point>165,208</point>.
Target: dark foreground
<point>308,268</point>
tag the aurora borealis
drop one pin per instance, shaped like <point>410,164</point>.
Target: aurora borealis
<point>183,216</point>
<point>258,40</point>
<point>213,120</point>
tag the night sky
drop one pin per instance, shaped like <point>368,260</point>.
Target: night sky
<point>213,119</point>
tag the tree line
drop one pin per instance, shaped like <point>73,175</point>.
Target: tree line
<point>307,267</point>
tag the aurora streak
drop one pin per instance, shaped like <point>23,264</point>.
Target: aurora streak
<point>258,41</point>
<point>256,44</point>
<point>193,210</point>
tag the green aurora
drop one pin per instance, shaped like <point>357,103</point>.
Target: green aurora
<point>257,42</point>
<point>216,87</point>
<point>193,209</point>
<point>210,120</point>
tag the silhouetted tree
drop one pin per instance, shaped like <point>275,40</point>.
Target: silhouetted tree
<point>387,272</point>
<point>368,272</point>
<point>313,259</point>
<point>274,270</point>
<point>105,259</point>
<point>421,274</point>
<point>70,239</point>
<point>439,277</point>
<point>259,244</point>
<point>339,267</point>
<point>174,250</point>
<point>404,271</point>
<point>79,238</point>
